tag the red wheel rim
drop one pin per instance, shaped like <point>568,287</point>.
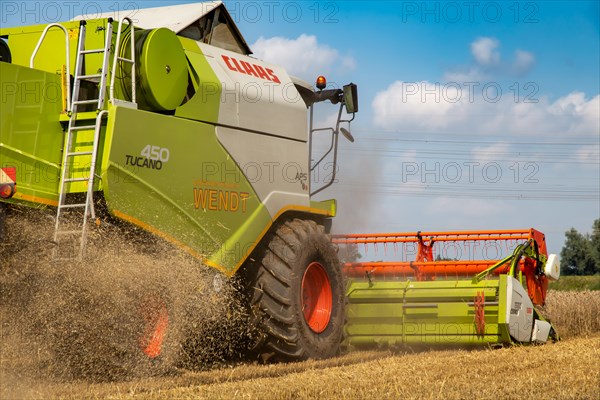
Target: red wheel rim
<point>316,297</point>
<point>156,322</point>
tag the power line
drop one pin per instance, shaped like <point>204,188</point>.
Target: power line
<point>501,141</point>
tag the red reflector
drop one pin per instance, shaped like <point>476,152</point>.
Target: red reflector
<point>11,172</point>
<point>7,190</point>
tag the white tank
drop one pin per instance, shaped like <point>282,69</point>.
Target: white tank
<point>552,268</point>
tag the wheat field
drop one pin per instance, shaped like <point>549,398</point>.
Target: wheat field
<point>568,369</point>
<point>46,311</point>
<point>574,313</point>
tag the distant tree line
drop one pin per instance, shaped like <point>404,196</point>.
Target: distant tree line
<point>581,252</point>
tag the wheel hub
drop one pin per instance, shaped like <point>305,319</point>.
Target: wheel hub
<point>316,297</point>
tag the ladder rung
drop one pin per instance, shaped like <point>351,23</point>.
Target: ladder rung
<point>79,102</point>
<point>89,76</point>
<point>76,179</point>
<point>72,205</point>
<point>79,153</point>
<point>92,51</point>
<point>129,60</point>
<point>83,127</point>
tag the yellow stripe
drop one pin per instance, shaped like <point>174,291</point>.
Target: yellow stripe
<point>35,199</point>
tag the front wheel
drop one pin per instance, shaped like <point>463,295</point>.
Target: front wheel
<point>298,294</point>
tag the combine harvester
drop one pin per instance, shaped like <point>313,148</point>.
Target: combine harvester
<point>165,122</point>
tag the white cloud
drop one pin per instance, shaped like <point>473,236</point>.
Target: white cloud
<point>303,57</point>
<point>487,61</point>
<point>524,60</point>
<point>426,106</point>
<point>485,52</point>
<point>407,104</point>
<point>469,74</point>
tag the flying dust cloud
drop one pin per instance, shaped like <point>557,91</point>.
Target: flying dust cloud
<point>65,320</point>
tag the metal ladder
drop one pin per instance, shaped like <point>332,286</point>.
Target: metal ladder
<point>80,231</point>
<point>69,154</point>
<point>115,101</point>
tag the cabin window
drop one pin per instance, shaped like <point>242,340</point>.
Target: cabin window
<point>216,29</point>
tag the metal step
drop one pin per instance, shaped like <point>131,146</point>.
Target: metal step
<point>76,179</point>
<point>79,153</point>
<point>78,205</point>
<point>129,60</point>
<point>93,76</point>
<point>92,51</point>
<point>83,128</point>
<point>81,102</point>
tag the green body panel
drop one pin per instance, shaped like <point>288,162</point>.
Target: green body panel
<point>204,105</point>
<point>32,144</point>
<point>327,206</point>
<point>51,55</point>
<point>167,173</point>
<point>196,197</point>
<point>424,312</point>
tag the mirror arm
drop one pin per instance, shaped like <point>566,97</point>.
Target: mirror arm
<point>333,95</point>
<point>335,137</point>
<point>349,120</point>
<point>326,153</point>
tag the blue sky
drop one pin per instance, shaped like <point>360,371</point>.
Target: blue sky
<point>546,151</point>
<point>541,133</point>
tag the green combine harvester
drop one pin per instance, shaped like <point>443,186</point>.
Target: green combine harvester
<point>166,122</point>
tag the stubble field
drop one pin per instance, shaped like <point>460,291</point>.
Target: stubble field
<point>43,328</point>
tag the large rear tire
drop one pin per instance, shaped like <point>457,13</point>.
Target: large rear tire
<point>297,294</point>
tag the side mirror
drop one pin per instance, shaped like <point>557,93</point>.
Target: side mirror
<point>351,98</point>
<point>347,134</point>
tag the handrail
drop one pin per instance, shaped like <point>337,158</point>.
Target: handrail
<point>334,147</point>
<point>37,48</point>
<point>118,58</point>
